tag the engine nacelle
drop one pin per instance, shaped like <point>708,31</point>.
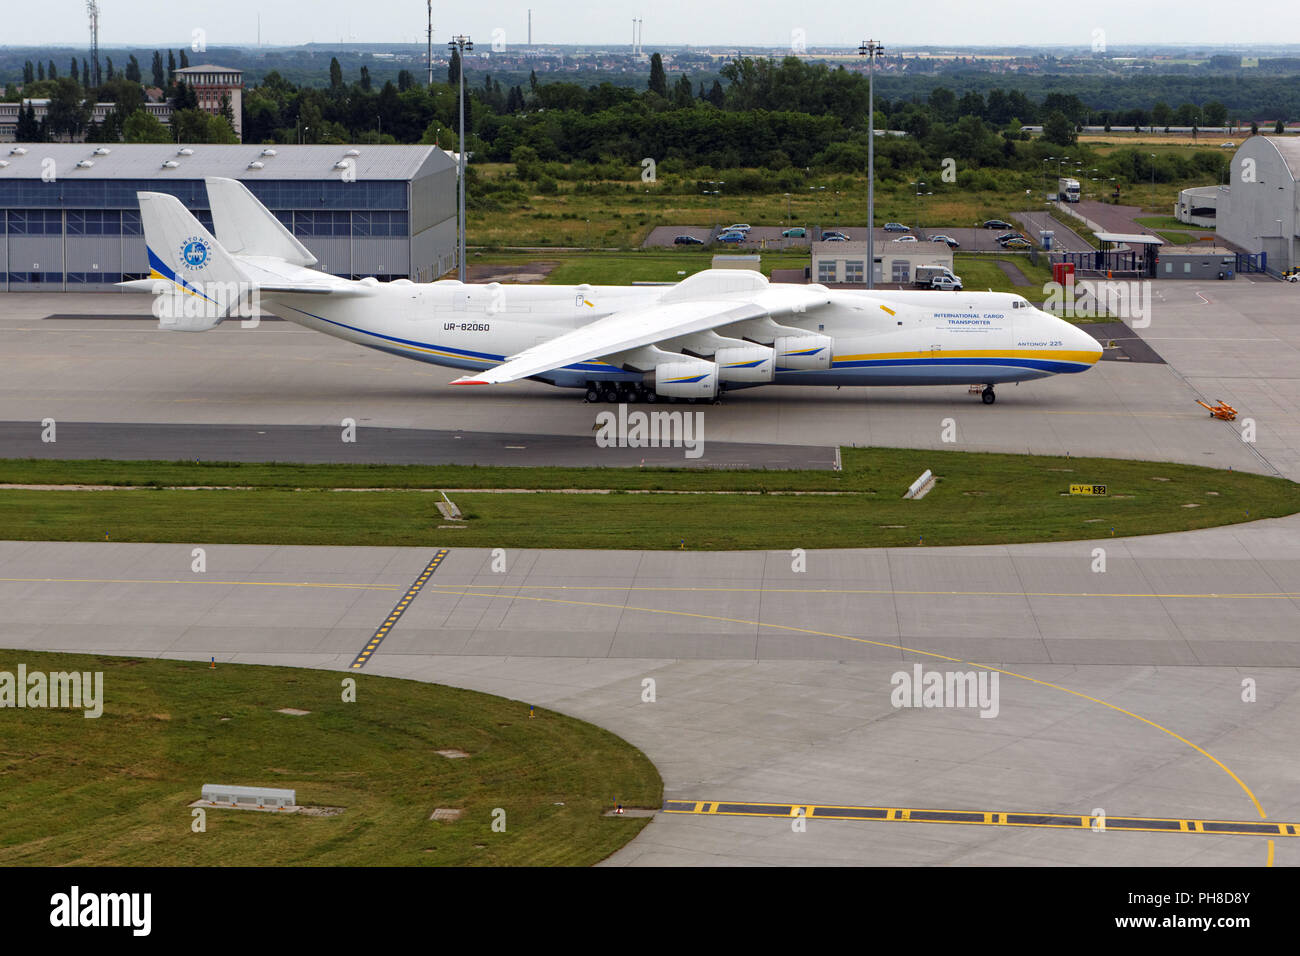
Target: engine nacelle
<point>803,351</point>
<point>689,378</point>
<point>751,363</point>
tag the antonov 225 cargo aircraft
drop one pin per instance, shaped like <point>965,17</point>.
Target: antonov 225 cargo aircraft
<point>716,330</point>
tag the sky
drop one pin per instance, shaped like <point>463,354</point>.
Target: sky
<point>158,23</point>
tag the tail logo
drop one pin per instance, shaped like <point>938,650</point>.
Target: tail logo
<point>194,253</point>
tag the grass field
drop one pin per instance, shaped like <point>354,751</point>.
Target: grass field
<point>624,216</point>
<point>619,214</point>
<point>115,790</point>
<point>980,272</point>
<point>1169,222</point>
<point>980,499</point>
<point>1122,138</point>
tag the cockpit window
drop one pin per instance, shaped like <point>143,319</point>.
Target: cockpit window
<point>1019,304</point>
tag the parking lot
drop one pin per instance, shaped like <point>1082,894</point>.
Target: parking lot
<point>760,238</point>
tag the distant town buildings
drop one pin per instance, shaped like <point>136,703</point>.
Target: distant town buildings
<point>214,87</point>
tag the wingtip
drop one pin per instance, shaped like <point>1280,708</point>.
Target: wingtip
<point>470,381</point>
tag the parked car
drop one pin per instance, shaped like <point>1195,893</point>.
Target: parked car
<point>952,243</point>
<point>831,235</point>
<point>947,283</point>
<point>1292,276</point>
<point>732,237</point>
<point>1228,145</point>
<point>795,232</point>
<point>997,224</point>
<point>1017,243</point>
<point>687,241</point>
<point>895,227</point>
<point>905,239</point>
<point>738,227</point>
<point>1010,235</point>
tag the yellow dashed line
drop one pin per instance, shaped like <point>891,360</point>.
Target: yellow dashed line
<point>1007,818</point>
<point>397,612</point>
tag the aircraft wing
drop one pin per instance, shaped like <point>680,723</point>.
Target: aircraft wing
<point>619,332</point>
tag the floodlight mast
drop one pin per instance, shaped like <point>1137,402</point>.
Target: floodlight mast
<point>429,48</point>
<point>460,44</point>
<point>871,49</point>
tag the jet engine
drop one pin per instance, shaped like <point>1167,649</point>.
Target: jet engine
<point>689,378</point>
<point>750,363</point>
<point>803,351</point>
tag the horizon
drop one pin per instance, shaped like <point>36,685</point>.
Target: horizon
<point>729,23</point>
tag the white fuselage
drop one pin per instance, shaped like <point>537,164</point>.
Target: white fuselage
<point>880,337</point>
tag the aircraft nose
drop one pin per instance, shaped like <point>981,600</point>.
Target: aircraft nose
<point>1083,342</point>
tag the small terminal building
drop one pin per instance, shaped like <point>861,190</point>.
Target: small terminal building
<point>1199,206</point>
<point>896,263</point>
<point>70,220</point>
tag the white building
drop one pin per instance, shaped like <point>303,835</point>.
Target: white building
<point>896,263</point>
<point>41,108</point>
<point>1199,206</point>
<point>1260,211</point>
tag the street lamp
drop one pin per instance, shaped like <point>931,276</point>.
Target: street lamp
<point>1153,180</point>
<point>917,187</point>
<point>461,44</point>
<point>871,49</point>
<point>814,190</point>
<point>716,191</point>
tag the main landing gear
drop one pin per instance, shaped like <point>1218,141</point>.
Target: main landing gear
<point>614,394</point>
<point>987,395</point>
<point>622,393</point>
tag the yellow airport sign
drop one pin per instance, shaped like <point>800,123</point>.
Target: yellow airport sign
<point>1087,489</point>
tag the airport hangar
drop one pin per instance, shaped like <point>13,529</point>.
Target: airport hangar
<point>1260,210</point>
<point>70,221</point>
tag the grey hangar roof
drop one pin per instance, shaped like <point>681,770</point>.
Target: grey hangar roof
<point>145,161</point>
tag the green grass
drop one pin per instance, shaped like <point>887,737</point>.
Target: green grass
<point>980,272</point>
<point>1168,222</point>
<point>115,790</point>
<point>1177,238</point>
<point>621,268</point>
<point>624,216</point>
<point>980,499</point>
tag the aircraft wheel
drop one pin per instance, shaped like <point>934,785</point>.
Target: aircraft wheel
<point>988,396</point>
<point>610,395</point>
<point>651,396</point>
<point>593,394</point>
<point>631,396</point>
